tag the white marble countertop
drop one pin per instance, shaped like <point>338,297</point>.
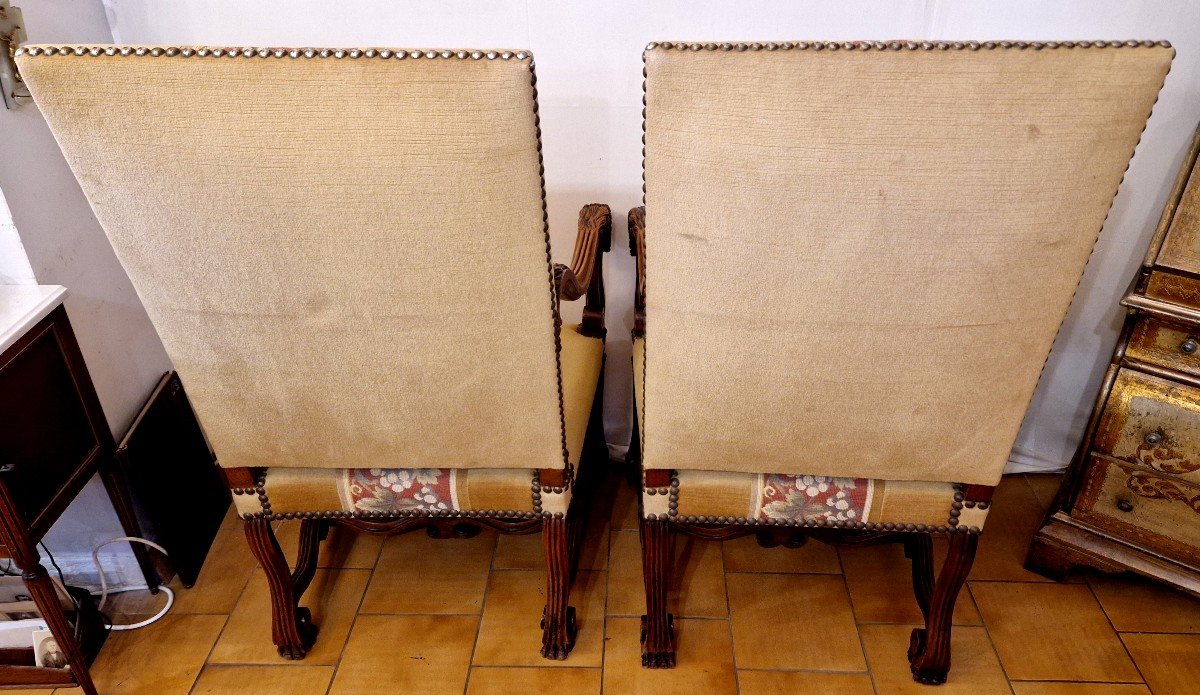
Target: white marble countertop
<point>21,306</point>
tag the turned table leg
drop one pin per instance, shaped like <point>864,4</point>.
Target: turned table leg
<point>41,589</point>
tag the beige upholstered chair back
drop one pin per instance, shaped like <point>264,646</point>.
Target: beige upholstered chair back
<point>859,255</point>
<point>344,253</point>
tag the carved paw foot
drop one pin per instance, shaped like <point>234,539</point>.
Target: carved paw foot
<point>307,634</point>
<point>659,651</point>
<point>558,636</point>
<point>926,676</point>
<point>928,669</point>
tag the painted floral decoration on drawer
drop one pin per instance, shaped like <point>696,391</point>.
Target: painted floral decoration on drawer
<point>1156,488</point>
<point>401,489</point>
<point>1165,458</point>
<point>813,497</point>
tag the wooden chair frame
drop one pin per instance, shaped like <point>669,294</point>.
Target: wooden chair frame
<point>292,627</point>
<point>929,646</point>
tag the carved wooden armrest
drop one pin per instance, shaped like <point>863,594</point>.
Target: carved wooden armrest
<point>585,275</point>
<point>637,249</point>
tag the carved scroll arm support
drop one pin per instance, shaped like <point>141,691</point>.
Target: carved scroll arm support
<point>637,249</point>
<point>585,275</point>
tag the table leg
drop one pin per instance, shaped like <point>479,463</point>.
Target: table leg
<point>41,588</point>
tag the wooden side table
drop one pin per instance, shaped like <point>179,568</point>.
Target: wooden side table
<point>53,438</point>
<point>1131,499</point>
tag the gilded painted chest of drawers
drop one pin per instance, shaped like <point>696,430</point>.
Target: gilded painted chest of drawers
<point>1131,498</point>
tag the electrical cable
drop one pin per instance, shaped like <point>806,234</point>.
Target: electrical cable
<point>62,584</point>
<point>104,583</point>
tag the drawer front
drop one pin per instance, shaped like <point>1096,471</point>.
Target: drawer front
<point>1181,248</point>
<point>1166,344</point>
<point>1174,288</point>
<point>1142,506</point>
<point>1153,422</point>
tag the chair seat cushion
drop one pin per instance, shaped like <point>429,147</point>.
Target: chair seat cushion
<point>813,500</point>
<point>399,492</point>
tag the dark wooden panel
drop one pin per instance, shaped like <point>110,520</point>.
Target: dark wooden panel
<point>46,438</point>
<point>178,491</point>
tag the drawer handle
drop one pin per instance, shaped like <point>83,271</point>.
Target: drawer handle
<point>1189,346</point>
<point>1125,505</point>
<point>1154,438</point>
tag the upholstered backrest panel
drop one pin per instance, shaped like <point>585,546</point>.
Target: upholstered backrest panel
<point>857,260</point>
<point>345,257</point>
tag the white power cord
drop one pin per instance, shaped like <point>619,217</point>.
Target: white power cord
<point>104,582</point>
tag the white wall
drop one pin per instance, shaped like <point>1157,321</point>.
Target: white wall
<point>61,243</point>
<point>589,79</point>
<point>14,262</point>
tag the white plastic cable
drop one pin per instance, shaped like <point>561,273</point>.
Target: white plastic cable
<point>104,582</point>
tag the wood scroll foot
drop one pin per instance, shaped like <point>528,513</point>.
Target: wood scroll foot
<point>929,647</point>
<point>558,618</point>
<point>292,628</point>
<point>658,629</point>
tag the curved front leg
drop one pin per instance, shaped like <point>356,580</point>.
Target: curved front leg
<point>658,630</point>
<point>292,628</point>
<point>929,648</point>
<point>558,618</point>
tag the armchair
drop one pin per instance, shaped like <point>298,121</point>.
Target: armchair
<point>292,221</point>
<point>853,260</point>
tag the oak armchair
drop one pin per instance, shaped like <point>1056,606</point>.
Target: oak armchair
<point>852,263</point>
<point>297,223</point>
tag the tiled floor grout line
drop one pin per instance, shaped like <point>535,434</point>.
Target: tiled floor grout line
<point>1042,582</point>
<point>228,616</point>
<point>607,585</point>
<point>986,630</point>
<point>421,615</point>
<point>1149,632</point>
<point>737,679</point>
<point>1033,491</point>
<point>1116,632</point>
<point>1051,680</point>
<point>822,671</point>
<point>784,572</point>
<point>205,665</point>
<point>862,644</point>
<point>482,606</point>
<point>357,611</point>
<point>486,667</point>
<point>988,633</point>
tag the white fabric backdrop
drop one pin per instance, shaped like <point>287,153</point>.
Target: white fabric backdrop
<point>589,81</point>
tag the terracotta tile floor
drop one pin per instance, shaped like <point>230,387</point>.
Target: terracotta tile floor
<point>409,614</point>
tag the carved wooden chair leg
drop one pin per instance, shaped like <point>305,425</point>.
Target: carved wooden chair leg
<point>658,629</point>
<point>311,533</point>
<point>558,618</point>
<point>919,549</point>
<point>929,648</point>
<point>292,628</point>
